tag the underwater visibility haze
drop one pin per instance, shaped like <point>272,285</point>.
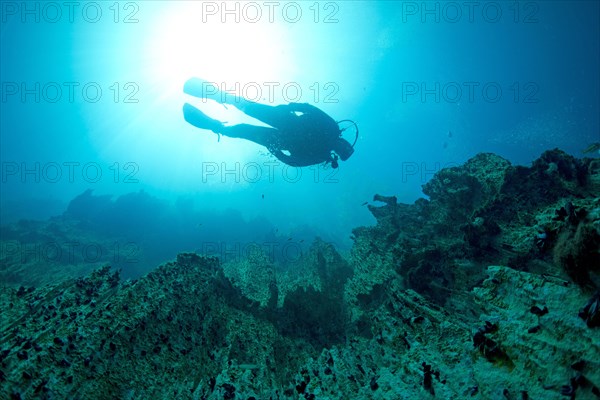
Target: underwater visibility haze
<point>300,200</point>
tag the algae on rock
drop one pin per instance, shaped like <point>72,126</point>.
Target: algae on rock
<point>416,311</point>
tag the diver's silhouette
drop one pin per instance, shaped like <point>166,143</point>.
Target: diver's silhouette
<point>297,140</point>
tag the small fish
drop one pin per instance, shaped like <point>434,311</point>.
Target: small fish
<point>199,225</point>
<point>449,134</point>
<point>365,203</point>
<point>289,239</point>
<point>301,240</point>
<point>263,196</point>
<point>445,145</point>
<point>591,148</point>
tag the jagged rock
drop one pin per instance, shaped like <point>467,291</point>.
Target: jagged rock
<point>486,212</point>
<point>414,312</point>
<point>542,356</point>
<point>577,248</point>
<point>254,274</point>
<point>456,193</point>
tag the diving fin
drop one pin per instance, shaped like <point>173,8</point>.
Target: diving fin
<point>204,89</point>
<point>200,120</point>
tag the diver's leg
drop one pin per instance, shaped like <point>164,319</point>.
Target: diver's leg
<point>262,135</point>
<point>277,116</point>
<point>258,134</point>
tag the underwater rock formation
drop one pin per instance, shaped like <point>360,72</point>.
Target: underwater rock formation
<point>483,213</point>
<point>35,253</point>
<point>487,289</point>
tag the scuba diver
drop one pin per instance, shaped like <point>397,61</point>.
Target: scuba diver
<point>297,140</point>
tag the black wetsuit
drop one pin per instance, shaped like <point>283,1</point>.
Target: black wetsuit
<point>297,140</point>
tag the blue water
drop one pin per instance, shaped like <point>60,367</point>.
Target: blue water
<point>91,98</point>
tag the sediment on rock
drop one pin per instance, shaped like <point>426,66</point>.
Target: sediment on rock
<point>479,290</point>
